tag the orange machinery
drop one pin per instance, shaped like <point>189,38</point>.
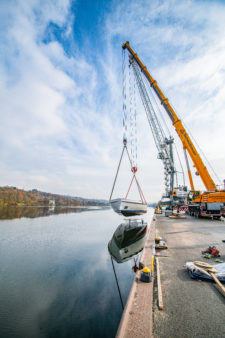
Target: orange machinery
<point>209,203</point>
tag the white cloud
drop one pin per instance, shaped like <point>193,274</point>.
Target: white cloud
<point>183,46</point>
<point>61,116</point>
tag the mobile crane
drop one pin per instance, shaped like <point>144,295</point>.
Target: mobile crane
<point>210,203</point>
<point>173,197</point>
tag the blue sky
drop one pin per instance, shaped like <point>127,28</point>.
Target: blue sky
<point>61,92</point>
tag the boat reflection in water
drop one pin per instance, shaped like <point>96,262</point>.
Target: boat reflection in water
<point>127,243</point>
<point>128,240</point>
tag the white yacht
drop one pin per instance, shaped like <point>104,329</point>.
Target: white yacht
<point>128,207</point>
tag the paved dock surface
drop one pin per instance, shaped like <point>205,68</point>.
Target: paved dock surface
<point>192,308</point>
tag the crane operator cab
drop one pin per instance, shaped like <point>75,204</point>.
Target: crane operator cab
<point>194,196</point>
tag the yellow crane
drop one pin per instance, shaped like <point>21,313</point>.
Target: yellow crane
<point>209,203</point>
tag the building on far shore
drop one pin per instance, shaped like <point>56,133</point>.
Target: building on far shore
<point>52,202</point>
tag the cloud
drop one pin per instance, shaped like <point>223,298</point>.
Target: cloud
<point>61,105</point>
<point>39,98</point>
<point>183,46</point>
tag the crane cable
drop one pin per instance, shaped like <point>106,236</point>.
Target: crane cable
<point>132,124</point>
<point>131,107</point>
<point>124,118</point>
<point>203,154</point>
<point>157,106</point>
<point>133,169</point>
<point>117,173</point>
<point>182,169</point>
<point>124,96</point>
<point>132,118</point>
<point>201,151</point>
<point>159,110</point>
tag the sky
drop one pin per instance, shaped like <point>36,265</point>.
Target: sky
<point>61,90</point>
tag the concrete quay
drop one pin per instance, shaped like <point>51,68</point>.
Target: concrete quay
<point>136,320</point>
<point>192,308</point>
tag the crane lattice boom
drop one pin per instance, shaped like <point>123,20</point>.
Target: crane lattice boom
<point>163,144</point>
<point>182,133</point>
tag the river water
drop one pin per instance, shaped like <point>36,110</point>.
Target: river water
<point>57,278</point>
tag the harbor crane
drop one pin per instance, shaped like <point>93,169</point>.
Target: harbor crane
<point>210,203</point>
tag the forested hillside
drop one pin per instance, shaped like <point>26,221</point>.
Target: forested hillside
<point>15,196</point>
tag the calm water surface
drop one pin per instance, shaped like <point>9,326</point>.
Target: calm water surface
<point>56,275</point>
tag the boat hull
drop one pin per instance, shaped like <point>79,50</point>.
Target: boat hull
<point>128,207</point>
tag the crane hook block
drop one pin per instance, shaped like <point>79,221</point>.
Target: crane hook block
<point>134,169</point>
<point>125,141</point>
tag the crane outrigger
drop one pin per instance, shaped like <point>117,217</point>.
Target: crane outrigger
<point>211,202</point>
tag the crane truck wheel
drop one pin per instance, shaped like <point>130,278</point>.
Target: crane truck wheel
<point>197,213</point>
<point>190,212</point>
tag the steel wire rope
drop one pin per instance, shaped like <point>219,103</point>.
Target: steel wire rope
<point>117,173</point>
<point>124,117</point>
<point>157,131</point>
<point>132,126</point>
<point>132,119</point>
<point>219,180</point>
<point>180,163</point>
<point>196,143</point>
<point>124,94</point>
<point>158,108</point>
<point>135,123</point>
<point>201,151</point>
<point>133,131</point>
<point>158,136</point>
<point>139,188</point>
<point>117,283</point>
<point>170,132</point>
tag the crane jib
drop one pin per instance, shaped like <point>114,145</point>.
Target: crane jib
<point>183,135</point>
<point>183,132</point>
<point>165,104</point>
<point>168,111</point>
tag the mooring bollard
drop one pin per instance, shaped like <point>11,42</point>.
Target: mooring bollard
<point>146,275</point>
